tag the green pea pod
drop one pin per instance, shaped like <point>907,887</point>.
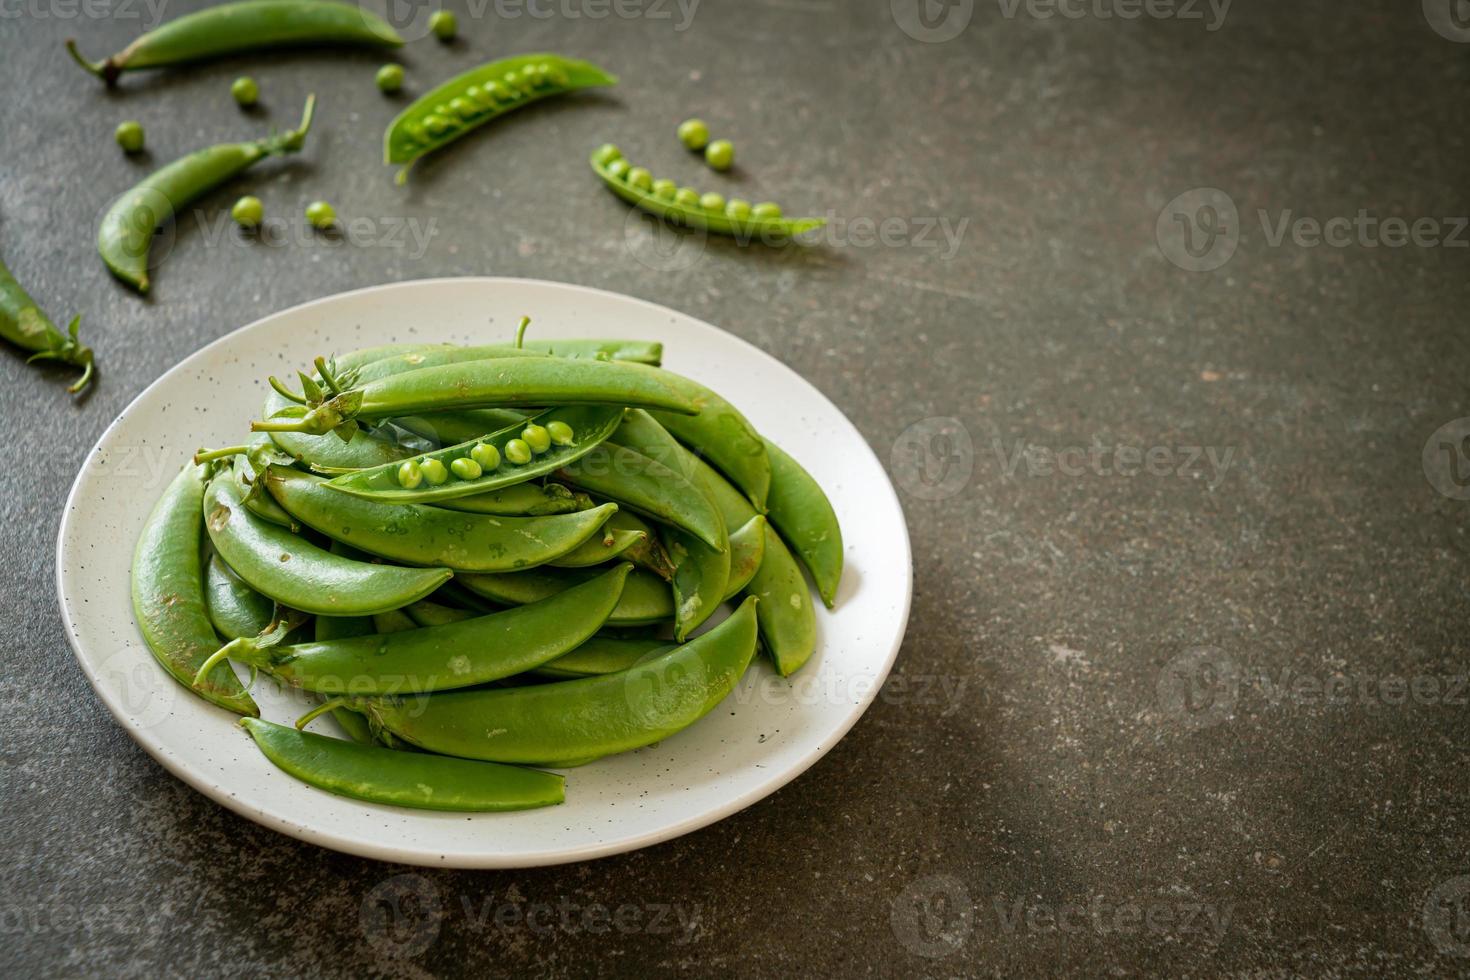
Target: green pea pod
<point>602,655</point>
<point>419,660</point>
<point>296,573</point>
<point>608,543</point>
<point>647,552</point>
<point>417,780</point>
<point>638,351</point>
<point>249,25</point>
<point>646,597</point>
<point>168,594</point>
<point>393,621</point>
<point>450,428</point>
<point>499,383</point>
<point>470,100</point>
<point>128,227</point>
<point>417,534</point>
<point>235,608</point>
<point>747,551</point>
<point>437,356</point>
<point>590,425</point>
<point>805,518</point>
<point>575,721</point>
<point>328,453</point>
<point>694,215</point>
<point>522,500</point>
<point>338,627</point>
<point>426,613</point>
<point>24,324</point>
<point>649,488</point>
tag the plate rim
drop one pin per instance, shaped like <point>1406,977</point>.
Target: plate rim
<point>397,854</point>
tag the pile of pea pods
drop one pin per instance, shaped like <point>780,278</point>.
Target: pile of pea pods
<point>484,562</point>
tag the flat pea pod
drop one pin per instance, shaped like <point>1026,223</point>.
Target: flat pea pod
<point>499,87</point>
<point>416,780</point>
<point>419,660</point>
<point>649,488</point>
<point>499,383</point>
<point>417,534</point>
<point>296,573</point>
<point>129,225</point>
<point>168,594</point>
<point>451,428</point>
<point>575,721</point>
<point>24,324</point>
<point>392,621</point>
<point>806,520</point>
<point>415,360</point>
<point>328,453</point>
<point>637,351</point>
<point>694,215</point>
<point>648,552</point>
<point>235,608</point>
<point>590,424</point>
<point>608,543</point>
<point>427,613</point>
<point>645,599</point>
<point>747,551</point>
<point>335,628</point>
<point>523,499</point>
<point>720,434</point>
<point>249,25</point>
<point>602,655</point>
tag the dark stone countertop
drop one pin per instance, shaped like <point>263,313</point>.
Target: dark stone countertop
<point>1207,718</point>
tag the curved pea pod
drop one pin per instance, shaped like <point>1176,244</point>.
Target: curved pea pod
<point>695,216</point>
<point>248,25</point>
<point>647,487</point>
<point>296,573</point>
<point>418,359</point>
<point>335,628</point>
<point>747,551</point>
<point>608,543</point>
<point>645,599</point>
<point>328,453</point>
<point>129,225</point>
<point>590,425</point>
<point>25,324</point>
<point>603,655</point>
<point>235,608</point>
<point>450,428</point>
<point>470,100</point>
<point>254,497</point>
<point>168,594</point>
<point>648,552</point>
<point>806,520</point>
<point>419,660</point>
<point>522,500</point>
<point>637,351</point>
<point>417,780</point>
<point>417,534</point>
<point>575,721</point>
<point>426,613</point>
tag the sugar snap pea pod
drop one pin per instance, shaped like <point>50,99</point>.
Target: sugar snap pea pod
<point>440,658</point>
<point>168,594</point>
<point>575,721</point>
<point>522,500</point>
<point>249,25</point>
<point>501,382</point>
<point>427,613</point>
<point>747,551</point>
<point>608,543</point>
<point>328,453</point>
<point>647,487</point>
<point>417,780</point>
<point>648,552</point>
<point>450,428</point>
<point>645,599</point>
<point>437,356</point>
<point>128,227</point>
<point>235,608</point>
<point>335,628</point>
<point>694,215</point>
<point>806,520</point>
<point>637,351</point>
<point>24,324</point>
<point>603,655</point>
<point>393,621</point>
<point>417,534</point>
<point>589,424</point>
<point>481,94</point>
<point>296,573</point>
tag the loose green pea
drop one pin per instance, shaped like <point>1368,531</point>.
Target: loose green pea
<point>766,209</point>
<point>693,133</point>
<point>711,201</point>
<point>738,209</point>
<point>410,475</point>
<point>720,154</point>
<point>129,136</point>
<point>486,455</point>
<point>462,107</point>
<point>665,188</point>
<point>560,432</point>
<point>640,178</point>
<point>434,471</point>
<point>321,214</point>
<point>619,168</point>
<point>606,154</point>
<point>390,78</point>
<point>518,452</point>
<point>248,212</point>
<point>537,438</point>
<point>687,196</point>
<point>444,25</point>
<point>245,91</point>
<point>466,469</point>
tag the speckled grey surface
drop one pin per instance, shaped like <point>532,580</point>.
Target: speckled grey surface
<point>1206,718</point>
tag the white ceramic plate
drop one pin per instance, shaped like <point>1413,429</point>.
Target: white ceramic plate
<point>765,734</point>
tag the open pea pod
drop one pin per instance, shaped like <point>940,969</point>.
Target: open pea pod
<point>418,660</point>
<point>470,100</point>
<point>590,425</point>
<point>296,573</point>
<point>576,721</point>
<point>646,597</point>
<point>648,487</point>
<point>417,534</point>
